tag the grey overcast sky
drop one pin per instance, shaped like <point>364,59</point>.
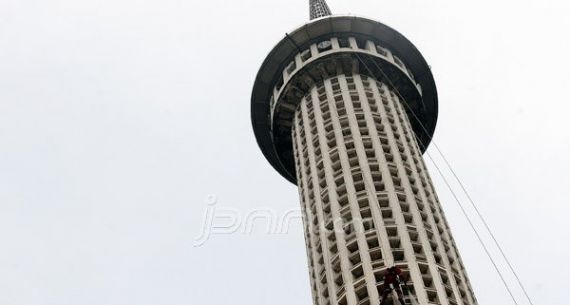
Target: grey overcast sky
<point>118,118</point>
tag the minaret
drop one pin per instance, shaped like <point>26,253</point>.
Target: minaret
<point>344,107</point>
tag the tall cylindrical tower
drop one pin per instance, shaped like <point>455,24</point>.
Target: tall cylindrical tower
<point>344,107</point>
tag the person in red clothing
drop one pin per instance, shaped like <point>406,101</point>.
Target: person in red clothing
<point>392,282</point>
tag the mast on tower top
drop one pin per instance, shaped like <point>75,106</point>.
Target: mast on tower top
<point>319,8</point>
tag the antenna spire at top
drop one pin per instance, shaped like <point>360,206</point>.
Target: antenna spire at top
<point>319,8</point>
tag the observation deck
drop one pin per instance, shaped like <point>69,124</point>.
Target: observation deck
<point>325,47</point>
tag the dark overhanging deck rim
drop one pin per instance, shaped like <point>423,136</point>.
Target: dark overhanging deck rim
<point>312,32</point>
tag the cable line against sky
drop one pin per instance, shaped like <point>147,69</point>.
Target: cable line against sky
<point>512,269</point>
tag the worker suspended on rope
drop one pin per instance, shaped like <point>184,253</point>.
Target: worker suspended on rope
<point>392,282</point>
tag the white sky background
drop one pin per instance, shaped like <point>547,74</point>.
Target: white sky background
<point>118,118</point>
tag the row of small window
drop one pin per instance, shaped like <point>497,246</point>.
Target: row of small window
<point>376,257</point>
<point>450,250</point>
<point>387,215</point>
<point>340,103</point>
<point>373,246</point>
<point>365,222</point>
<point>341,43</point>
<point>358,183</point>
<point>362,294</point>
<point>436,212</point>
<point>349,140</point>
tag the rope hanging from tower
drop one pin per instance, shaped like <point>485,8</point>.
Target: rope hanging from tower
<point>318,9</point>
<point>471,201</point>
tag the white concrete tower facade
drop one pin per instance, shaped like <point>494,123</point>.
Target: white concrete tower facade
<point>344,107</point>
